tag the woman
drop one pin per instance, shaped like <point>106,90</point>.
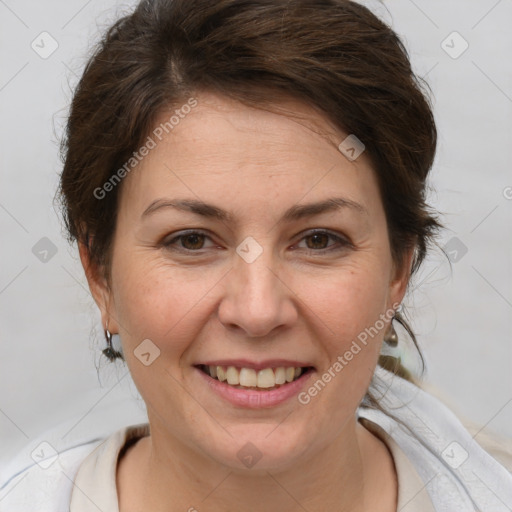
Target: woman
<point>246,181</point>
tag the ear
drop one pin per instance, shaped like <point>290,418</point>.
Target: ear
<point>99,288</point>
<point>400,278</point>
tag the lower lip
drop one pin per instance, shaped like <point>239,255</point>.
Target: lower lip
<point>256,399</point>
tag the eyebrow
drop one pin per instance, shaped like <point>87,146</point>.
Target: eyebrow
<point>294,213</point>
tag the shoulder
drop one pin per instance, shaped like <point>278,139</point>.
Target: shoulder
<point>496,445</point>
<point>46,476</point>
<point>45,485</point>
<point>460,463</point>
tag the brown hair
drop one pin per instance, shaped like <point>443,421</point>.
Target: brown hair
<point>334,55</point>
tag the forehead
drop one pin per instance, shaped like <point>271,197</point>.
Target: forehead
<point>230,131</point>
<point>221,145</point>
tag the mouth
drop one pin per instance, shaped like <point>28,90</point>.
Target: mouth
<point>265,379</point>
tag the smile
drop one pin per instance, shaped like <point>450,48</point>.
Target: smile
<point>250,379</point>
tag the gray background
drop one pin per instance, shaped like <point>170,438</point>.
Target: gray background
<point>52,376</point>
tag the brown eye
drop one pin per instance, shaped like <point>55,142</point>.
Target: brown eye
<point>193,241</point>
<point>318,241</point>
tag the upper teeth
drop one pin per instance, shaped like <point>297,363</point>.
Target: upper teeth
<point>248,377</point>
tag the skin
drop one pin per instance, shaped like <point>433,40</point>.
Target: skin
<point>296,301</point>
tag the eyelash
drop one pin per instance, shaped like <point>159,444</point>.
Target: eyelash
<point>343,243</point>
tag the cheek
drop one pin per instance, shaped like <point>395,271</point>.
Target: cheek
<point>347,311</point>
<point>171,305</point>
<point>158,301</point>
<point>346,303</point>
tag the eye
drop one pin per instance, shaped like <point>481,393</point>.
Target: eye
<point>318,241</point>
<point>191,241</point>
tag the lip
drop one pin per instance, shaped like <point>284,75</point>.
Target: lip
<point>252,399</point>
<point>261,365</point>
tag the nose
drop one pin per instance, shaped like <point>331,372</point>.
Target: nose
<point>257,300</point>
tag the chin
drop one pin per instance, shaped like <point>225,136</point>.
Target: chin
<point>262,447</point>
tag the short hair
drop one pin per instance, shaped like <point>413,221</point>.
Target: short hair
<point>334,55</point>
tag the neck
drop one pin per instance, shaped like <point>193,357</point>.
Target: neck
<point>348,475</point>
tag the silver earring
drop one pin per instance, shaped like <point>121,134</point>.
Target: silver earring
<point>391,338</point>
<point>114,350</point>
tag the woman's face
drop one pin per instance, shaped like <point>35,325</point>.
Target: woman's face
<point>253,287</point>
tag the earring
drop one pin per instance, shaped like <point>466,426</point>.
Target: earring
<point>391,338</point>
<point>112,353</point>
